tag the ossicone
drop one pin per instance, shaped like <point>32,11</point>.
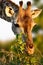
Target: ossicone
<point>28,3</point>
<point>21,3</point>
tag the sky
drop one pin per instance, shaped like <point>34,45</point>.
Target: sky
<point>6,32</point>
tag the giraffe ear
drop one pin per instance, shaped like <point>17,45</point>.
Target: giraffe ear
<point>36,12</point>
<point>9,11</point>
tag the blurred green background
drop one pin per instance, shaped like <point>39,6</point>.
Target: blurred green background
<point>39,28</point>
<point>12,52</point>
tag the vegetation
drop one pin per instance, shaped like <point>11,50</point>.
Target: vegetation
<point>14,53</point>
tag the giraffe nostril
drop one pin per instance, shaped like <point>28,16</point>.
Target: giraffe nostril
<point>31,46</point>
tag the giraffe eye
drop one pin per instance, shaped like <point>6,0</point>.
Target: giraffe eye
<point>9,11</point>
